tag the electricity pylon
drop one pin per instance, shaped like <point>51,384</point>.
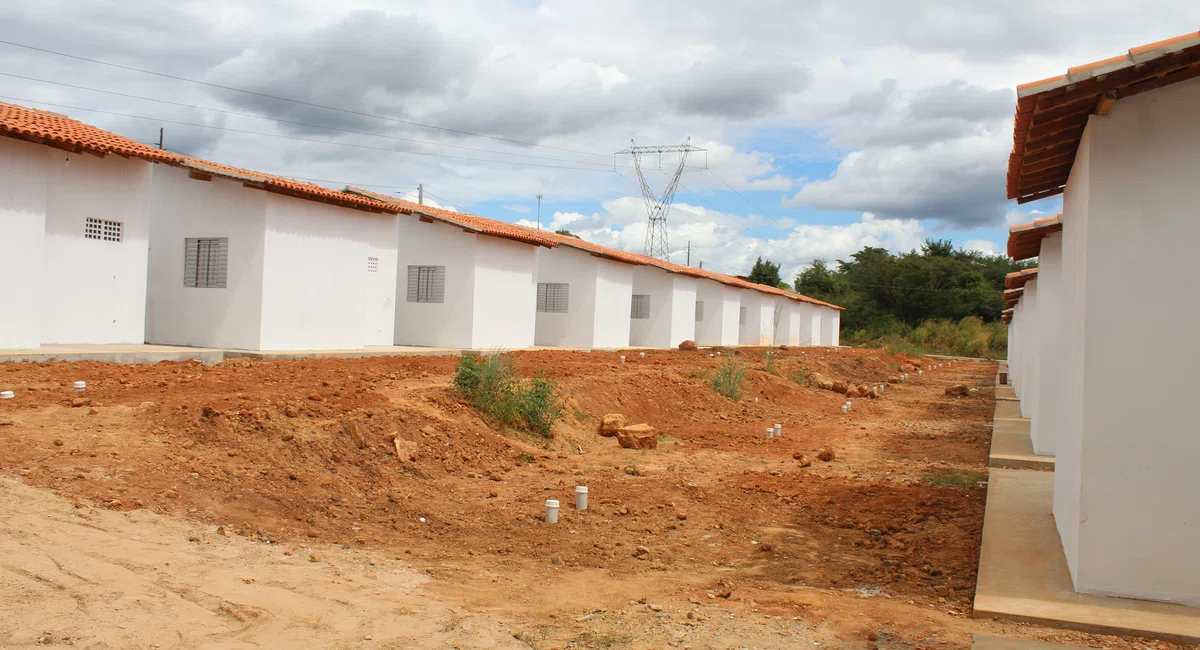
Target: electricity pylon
<point>657,206</point>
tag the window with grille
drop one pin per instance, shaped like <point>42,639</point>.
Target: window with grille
<point>641,307</point>
<point>372,265</point>
<point>699,311</point>
<point>553,297</point>
<point>426,283</point>
<point>102,229</point>
<point>205,261</point>
<point>741,316</point>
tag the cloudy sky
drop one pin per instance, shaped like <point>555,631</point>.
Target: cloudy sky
<point>829,125</point>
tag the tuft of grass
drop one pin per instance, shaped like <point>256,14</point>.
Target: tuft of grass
<point>953,478</point>
<point>491,385</point>
<point>610,640</point>
<point>728,378</point>
<point>695,373</point>
<point>799,375</point>
<point>581,416</point>
<point>525,457</point>
<point>770,368</point>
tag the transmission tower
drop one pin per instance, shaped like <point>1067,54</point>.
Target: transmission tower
<point>657,206</point>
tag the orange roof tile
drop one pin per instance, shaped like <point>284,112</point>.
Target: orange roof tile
<point>1018,279</point>
<point>62,132</point>
<point>1025,240</point>
<point>472,222</point>
<point>281,185</point>
<point>1051,114</point>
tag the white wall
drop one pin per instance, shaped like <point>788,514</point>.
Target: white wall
<point>831,322</point>
<point>577,327</point>
<point>95,290</point>
<point>505,294</point>
<point>683,310</point>
<point>1030,360</point>
<point>446,324</point>
<point>751,331</point>
<point>23,177</point>
<point>810,324</point>
<point>203,317</point>
<point>721,304</point>
<point>1138,513</point>
<point>782,322</point>
<point>317,291</point>
<point>672,308</point>
<point>614,293</point>
<point>1051,379</point>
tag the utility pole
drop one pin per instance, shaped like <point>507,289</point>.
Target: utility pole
<point>701,263</point>
<point>539,198</point>
<point>689,256</point>
<point>160,137</point>
<point>420,194</point>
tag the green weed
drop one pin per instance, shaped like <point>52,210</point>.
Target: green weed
<point>799,375</point>
<point>491,385</point>
<point>954,478</point>
<point>728,378</point>
<point>770,368</point>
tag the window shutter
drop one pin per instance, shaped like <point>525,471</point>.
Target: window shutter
<point>413,274</point>
<point>426,284</point>
<point>437,284</point>
<point>641,307</point>
<point>205,262</point>
<point>553,297</point>
<point>541,297</point>
<point>741,316</point>
<point>699,311</point>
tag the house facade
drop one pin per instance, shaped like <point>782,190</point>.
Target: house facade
<point>663,308</point>
<point>718,308</point>
<point>584,294</point>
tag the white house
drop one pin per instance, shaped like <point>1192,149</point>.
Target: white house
<point>663,308</point>
<point>244,260</point>
<point>584,293</point>
<point>758,318</point>
<point>75,217</point>
<point>808,324</point>
<point>1118,138</point>
<point>1043,239</point>
<point>464,281</point>
<point>718,305</point>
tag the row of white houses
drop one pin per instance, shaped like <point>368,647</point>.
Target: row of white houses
<point>108,241</point>
<point>1102,350</point>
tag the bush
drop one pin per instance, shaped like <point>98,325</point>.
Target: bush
<point>969,337</point>
<point>728,379</point>
<point>770,362</point>
<point>799,375</point>
<point>490,384</point>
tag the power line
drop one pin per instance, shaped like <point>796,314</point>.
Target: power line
<point>295,123</point>
<point>764,212</point>
<point>294,101</point>
<point>300,139</point>
<point>447,202</point>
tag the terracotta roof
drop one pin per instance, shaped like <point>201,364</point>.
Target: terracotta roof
<point>1006,316</point>
<point>495,228</point>
<point>1013,296</point>
<point>470,222</point>
<point>201,169</point>
<point>1052,113</point>
<point>1017,279</point>
<point>1025,240</point>
<point>62,132</point>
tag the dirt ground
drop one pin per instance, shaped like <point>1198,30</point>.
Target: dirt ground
<point>262,504</point>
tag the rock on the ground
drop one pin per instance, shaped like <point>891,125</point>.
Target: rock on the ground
<point>825,453</point>
<point>610,424</point>
<point>908,368</point>
<point>820,381</point>
<point>688,346</point>
<point>864,390</point>
<point>802,459</point>
<point>638,436</point>
<point>960,390</point>
<point>840,386</point>
<point>355,431</point>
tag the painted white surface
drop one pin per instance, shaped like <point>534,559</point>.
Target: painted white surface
<point>808,324</point>
<point>23,176</point>
<point>614,294</point>
<point>1133,238</point>
<point>760,318</point>
<point>831,320</point>
<point>95,290</point>
<point>577,327</point>
<point>672,308</point>
<point>505,307</point>
<point>1029,361</point>
<point>721,306</point>
<point>202,317</point>
<point>317,292</point>
<point>1051,379</point>
<point>448,324</point>
<point>781,333</point>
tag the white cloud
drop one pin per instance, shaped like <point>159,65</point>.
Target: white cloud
<point>517,208</point>
<point>982,246</point>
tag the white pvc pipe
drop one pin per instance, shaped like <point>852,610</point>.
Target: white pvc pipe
<point>641,354</point>
<point>770,432</point>
<point>80,386</point>
<point>551,511</point>
<point>778,430</point>
<point>581,496</point>
<point>7,394</point>
<point>622,358</point>
<point>845,409</point>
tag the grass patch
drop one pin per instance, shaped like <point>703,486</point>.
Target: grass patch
<point>581,416</point>
<point>727,380</point>
<point>695,373</point>
<point>953,478</point>
<point>491,385</point>
<point>525,457</point>
<point>799,375</point>
<point>969,337</point>
<point>770,367</point>
<point>593,640</point>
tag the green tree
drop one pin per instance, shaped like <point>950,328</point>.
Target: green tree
<point>567,233</point>
<point>766,272</point>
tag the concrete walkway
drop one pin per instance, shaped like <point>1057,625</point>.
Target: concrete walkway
<point>114,354</point>
<point>1023,573</point>
<point>1013,448</point>
<point>1009,410</point>
<point>984,642</point>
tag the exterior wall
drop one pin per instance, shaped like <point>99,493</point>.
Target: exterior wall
<point>721,308</point>
<point>760,318</point>
<point>1050,378</point>
<point>831,320</point>
<point>505,294</point>
<point>672,308</point>
<point>213,318</point>
<point>782,322</point>
<point>449,323</point>
<point>1137,517</point>
<point>808,324</point>
<point>614,293</point>
<point>94,290</point>
<point>1029,361</point>
<point>577,327</point>
<point>317,291</point>
<point>797,314</point>
<point>23,176</point>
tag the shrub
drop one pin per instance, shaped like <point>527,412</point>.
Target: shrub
<point>770,362</point>
<point>799,375</point>
<point>954,478</point>
<point>727,380</point>
<point>490,384</point>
